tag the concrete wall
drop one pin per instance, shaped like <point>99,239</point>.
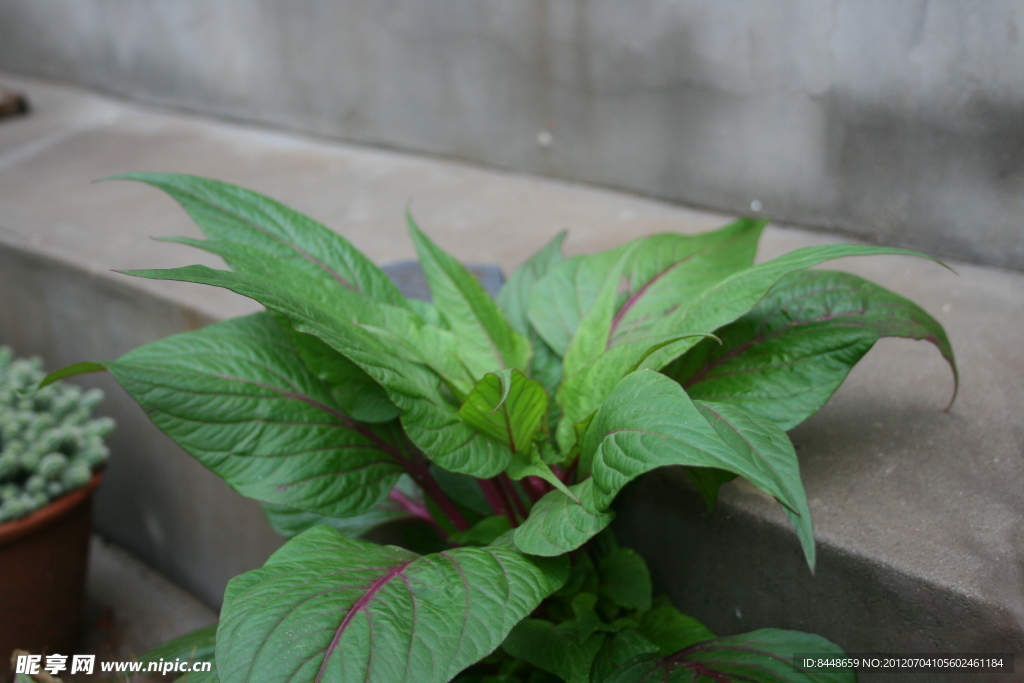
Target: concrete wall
<point>899,121</point>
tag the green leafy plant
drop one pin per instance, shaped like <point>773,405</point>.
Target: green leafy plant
<point>492,437</point>
<point>49,446</point>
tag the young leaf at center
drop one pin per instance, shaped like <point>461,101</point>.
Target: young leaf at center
<point>507,406</point>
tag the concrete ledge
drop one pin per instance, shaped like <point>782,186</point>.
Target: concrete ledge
<point>131,608</point>
<point>919,513</point>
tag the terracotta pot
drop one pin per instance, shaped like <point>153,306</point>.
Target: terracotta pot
<point>42,575</point>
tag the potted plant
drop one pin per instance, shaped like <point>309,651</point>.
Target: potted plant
<point>504,429</point>
<point>50,453</point>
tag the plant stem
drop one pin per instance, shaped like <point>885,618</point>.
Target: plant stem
<point>513,493</point>
<point>505,501</point>
<point>496,499</point>
<point>413,507</point>
<point>431,488</point>
<point>535,487</point>
<point>416,465</point>
<point>566,475</point>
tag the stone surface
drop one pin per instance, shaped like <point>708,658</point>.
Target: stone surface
<point>131,608</point>
<point>894,120</point>
<point>919,512</point>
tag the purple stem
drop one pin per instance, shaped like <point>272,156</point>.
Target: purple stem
<point>413,507</point>
<point>422,476</point>
<point>535,487</point>
<point>511,492</point>
<point>496,500</point>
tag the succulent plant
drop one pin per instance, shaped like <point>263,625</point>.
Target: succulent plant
<point>49,445</point>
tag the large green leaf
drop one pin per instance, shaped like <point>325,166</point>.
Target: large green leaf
<point>237,396</point>
<point>738,293</point>
<point>649,422</point>
<point>328,608</point>
<point>786,357</point>
<point>402,332</point>
<point>233,214</point>
<point>487,341</point>
<point>761,441</point>
<point>428,416</point>
<point>558,524</point>
<point>659,275</point>
<point>669,270</point>
<point>764,656</point>
<point>557,649</point>
<point>722,303</point>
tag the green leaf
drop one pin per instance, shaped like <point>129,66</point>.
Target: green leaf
<point>625,579</point>
<point>764,656</point>
<point>669,270</point>
<point>560,299</point>
<point>355,392</point>
<point>558,524</point>
<point>463,490</point>
<point>761,441</point>
<point>195,646</point>
<point>545,367</point>
<point>671,630</point>
<point>428,417</point>
<point>291,522</point>
<point>228,213</point>
<point>268,279</point>
<point>619,649</point>
<point>555,649</point>
<point>325,607</point>
<point>484,532</point>
<point>656,276</point>
<point>587,619</point>
<point>649,422</point>
<point>507,406</point>
<point>582,392</point>
<point>514,295</point>
<point>487,341</point>
<point>237,397</point>
<point>591,336</point>
<point>708,480</point>
<point>82,368</point>
<point>536,467</point>
<point>786,357</point>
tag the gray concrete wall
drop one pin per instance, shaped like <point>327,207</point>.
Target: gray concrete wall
<point>898,121</point>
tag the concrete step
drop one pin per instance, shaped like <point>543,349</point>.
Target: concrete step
<point>131,608</point>
<point>919,513</point>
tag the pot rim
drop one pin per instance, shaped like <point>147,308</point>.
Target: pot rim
<point>48,514</point>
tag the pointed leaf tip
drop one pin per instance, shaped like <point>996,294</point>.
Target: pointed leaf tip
<point>82,368</point>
